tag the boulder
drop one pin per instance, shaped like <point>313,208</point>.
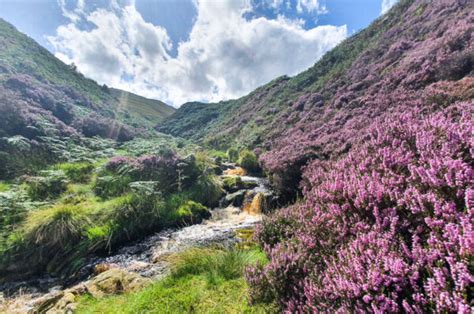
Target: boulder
<point>235,199</point>
<point>110,282</point>
<point>114,281</point>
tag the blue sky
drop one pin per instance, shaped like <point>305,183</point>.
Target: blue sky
<point>181,50</point>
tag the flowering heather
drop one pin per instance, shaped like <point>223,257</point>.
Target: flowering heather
<point>386,228</point>
<point>426,59</point>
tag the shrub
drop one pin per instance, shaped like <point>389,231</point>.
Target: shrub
<point>111,186</point>
<point>385,228</point>
<point>206,190</point>
<point>53,184</point>
<point>4,186</point>
<point>79,172</point>
<point>249,161</point>
<point>232,154</point>
<point>96,125</point>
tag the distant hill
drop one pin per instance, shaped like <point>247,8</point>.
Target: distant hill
<point>418,55</point>
<point>149,110</point>
<point>44,101</point>
<point>42,85</point>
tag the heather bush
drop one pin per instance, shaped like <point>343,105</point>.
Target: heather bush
<point>96,125</point>
<point>386,228</point>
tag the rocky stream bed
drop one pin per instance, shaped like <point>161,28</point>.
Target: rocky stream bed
<point>136,264</point>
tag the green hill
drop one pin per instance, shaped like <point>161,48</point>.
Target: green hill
<point>46,106</point>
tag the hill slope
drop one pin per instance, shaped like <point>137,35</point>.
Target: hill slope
<point>28,72</point>
<point>43,100</point>
<point>418,54</point>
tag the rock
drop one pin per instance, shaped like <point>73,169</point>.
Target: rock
<point>238,171</point>
<point>232,183</point>
<point>235,183</point>
<point>115,281</point>
<point>109,282</point>
<point>102,267</point>
<point>234,199</point>
<point>248,185</point>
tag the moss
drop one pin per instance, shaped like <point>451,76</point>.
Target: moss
<point>191,212</point>
<point>232,183</point>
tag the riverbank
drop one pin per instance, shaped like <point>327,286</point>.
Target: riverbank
<point>152,258</point>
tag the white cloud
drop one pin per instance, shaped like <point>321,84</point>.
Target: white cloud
<point>310,6</point>
<point>226,55</point>
<point>387,4</point>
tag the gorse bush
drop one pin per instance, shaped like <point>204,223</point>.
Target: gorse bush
<point>387,228</point>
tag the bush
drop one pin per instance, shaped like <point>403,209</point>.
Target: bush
<point>50,186</point>
<point>79,172</point>
<point>385,228</point>
<point>248,160</point>
<point>232,154</point>
<point>111,186</point>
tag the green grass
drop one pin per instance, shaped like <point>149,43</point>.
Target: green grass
<point>202,281</point>
<point>79,172</point>
<point>4,186</point>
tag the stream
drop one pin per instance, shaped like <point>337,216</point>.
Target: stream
<point>240,209</point>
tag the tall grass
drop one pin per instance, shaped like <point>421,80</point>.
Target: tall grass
<point>203,280</point>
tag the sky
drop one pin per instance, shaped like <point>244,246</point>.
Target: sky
<point>190,50</point>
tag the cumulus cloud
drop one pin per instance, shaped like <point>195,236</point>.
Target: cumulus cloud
<point>225,56</point>
<point>387,4</point>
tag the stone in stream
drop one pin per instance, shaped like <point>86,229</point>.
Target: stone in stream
<point>237,171</point>
<point>235,183</point>
<point>235,199</point>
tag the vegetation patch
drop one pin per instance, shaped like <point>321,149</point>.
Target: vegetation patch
<point>202,281</point>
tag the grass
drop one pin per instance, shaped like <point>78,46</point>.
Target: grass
<point>79,172</point>
<point>4,186</point>
<point>202,281</point>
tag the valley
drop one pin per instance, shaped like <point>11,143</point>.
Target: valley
<point>346,188</point>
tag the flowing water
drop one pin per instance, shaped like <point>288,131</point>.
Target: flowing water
<point>148,256</point>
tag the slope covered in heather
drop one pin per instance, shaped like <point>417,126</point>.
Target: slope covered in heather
<point>44,102</point>
<point>415,55</point>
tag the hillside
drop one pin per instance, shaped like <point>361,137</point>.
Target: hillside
<point>150,111</point>
<point>44,102</point>
<point>417,54</point>
<point>376,144</point>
